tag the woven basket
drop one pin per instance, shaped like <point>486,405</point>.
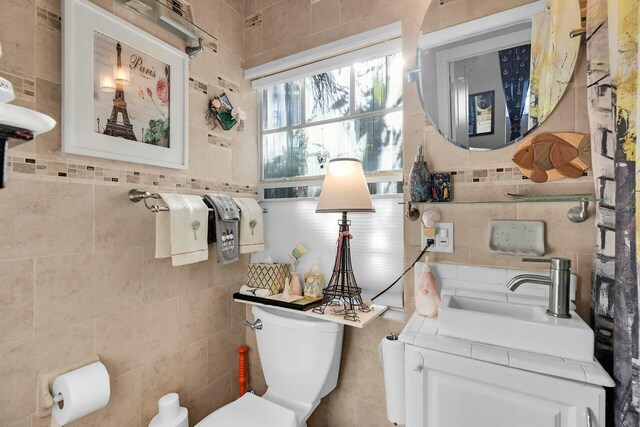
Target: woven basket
<point>268,276</point>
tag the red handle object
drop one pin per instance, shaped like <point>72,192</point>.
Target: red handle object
<point>243,374</point>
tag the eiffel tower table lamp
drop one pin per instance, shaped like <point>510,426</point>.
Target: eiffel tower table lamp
<point>344,190</point>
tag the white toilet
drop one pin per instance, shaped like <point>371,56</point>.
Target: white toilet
<point>300,358</point>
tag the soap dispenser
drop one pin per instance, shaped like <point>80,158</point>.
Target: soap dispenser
<point>419,179</point>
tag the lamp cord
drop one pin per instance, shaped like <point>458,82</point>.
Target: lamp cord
<point>430,242</point>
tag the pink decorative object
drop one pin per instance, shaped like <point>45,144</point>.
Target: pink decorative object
<point>296,288</point>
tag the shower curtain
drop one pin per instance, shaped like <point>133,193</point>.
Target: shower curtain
<point>553,56</point>
<point>514,69</point>
<point>613,112</point>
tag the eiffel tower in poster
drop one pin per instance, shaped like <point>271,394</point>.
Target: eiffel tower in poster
<point>113,128</point>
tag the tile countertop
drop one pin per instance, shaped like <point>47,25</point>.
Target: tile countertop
<point>423,332</point>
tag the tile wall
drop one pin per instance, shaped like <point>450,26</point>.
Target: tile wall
<point>78,275</point>
<point>277,28</point>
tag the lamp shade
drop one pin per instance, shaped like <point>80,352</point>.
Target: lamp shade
<point>345,188</point>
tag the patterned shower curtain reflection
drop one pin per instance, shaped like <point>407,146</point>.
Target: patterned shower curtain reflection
<point>515,68</point>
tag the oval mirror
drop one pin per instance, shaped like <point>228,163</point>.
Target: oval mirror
<point>488,82</point>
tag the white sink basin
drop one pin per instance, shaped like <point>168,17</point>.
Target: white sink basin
<point>518,326</point>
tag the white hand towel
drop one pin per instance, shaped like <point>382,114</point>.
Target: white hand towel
<point>181,233</point>
<point>251,225</point>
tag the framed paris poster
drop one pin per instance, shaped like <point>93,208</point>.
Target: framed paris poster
<point>125,93</point>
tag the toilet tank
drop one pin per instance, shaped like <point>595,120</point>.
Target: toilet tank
<point>300,355</point>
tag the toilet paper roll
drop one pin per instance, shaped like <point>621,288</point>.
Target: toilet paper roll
<point>392,355</point>
<point>83,391</point>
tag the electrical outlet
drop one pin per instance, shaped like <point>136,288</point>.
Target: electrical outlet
<point>443,238</point>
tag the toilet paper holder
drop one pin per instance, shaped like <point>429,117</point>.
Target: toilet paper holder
<point>45,381</point>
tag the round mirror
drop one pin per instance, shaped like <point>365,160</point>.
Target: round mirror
<point>488,82</point>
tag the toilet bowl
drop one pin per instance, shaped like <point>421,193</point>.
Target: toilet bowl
<point>300,358</point>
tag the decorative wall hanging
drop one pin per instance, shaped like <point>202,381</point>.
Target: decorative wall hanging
<point>222,112</point>
<point>125,92</point>
<point>441,187</point>
<point>552,156</point>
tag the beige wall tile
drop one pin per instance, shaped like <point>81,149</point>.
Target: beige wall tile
<point>76,287</point>
<point>222,354</point>
<point>206,14</point>
<point>325,14</point>
<point>163,281</point>
<point>253,40</point>
<point>48,101</point>
<point>48,55</point>
<point>237,5</point>
<point>204,67</point>
<point>183,372</point>
<point>22,360</point>
<point>203,313</point>
<point>16,299</point>
<point>25,422</point>
<point>127,340</point>
<point>226,274</point>
<point>41,221</point>
<point>231,24</point>
<point>208,399</point>
<point>198,152</point>
<point>220,162</point>
<point>17,25</point>
<point>287,20</point>
<point>197,108</point>
<point>120,223</point>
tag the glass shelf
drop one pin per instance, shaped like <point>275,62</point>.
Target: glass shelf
<point>547,198</point>
<point>165,16</point>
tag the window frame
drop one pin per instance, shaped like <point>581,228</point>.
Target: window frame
<point>386,48</point>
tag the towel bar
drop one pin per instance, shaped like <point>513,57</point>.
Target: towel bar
<point>136,195</point>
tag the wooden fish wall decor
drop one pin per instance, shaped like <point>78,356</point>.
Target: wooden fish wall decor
<point>552,156</point>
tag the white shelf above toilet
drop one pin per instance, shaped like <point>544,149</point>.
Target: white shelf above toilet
<point>365,318</point>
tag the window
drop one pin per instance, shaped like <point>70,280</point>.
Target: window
<point>346,105</point>
<point>352,110</point>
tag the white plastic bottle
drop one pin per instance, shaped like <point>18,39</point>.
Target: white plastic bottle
<point>170,413</point>
<point>426,296</point>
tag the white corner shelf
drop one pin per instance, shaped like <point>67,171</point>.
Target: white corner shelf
<point>365,318</point>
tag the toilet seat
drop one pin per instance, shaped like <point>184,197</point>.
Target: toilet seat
<point>250,411</point>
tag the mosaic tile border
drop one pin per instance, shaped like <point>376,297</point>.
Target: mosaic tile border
<point>23,87</point>
<point>253,20</point>
<point>48,20</point>
<point>98,174</point>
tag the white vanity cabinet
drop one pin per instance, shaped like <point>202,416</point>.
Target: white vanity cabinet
<point>447,390</point>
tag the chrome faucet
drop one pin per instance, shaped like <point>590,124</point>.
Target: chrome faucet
<point>559,282</point>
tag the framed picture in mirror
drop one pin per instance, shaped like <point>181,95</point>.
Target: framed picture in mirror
<point>481,113</point>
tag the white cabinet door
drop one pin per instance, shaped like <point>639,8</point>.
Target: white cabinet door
<point>444,390</point>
